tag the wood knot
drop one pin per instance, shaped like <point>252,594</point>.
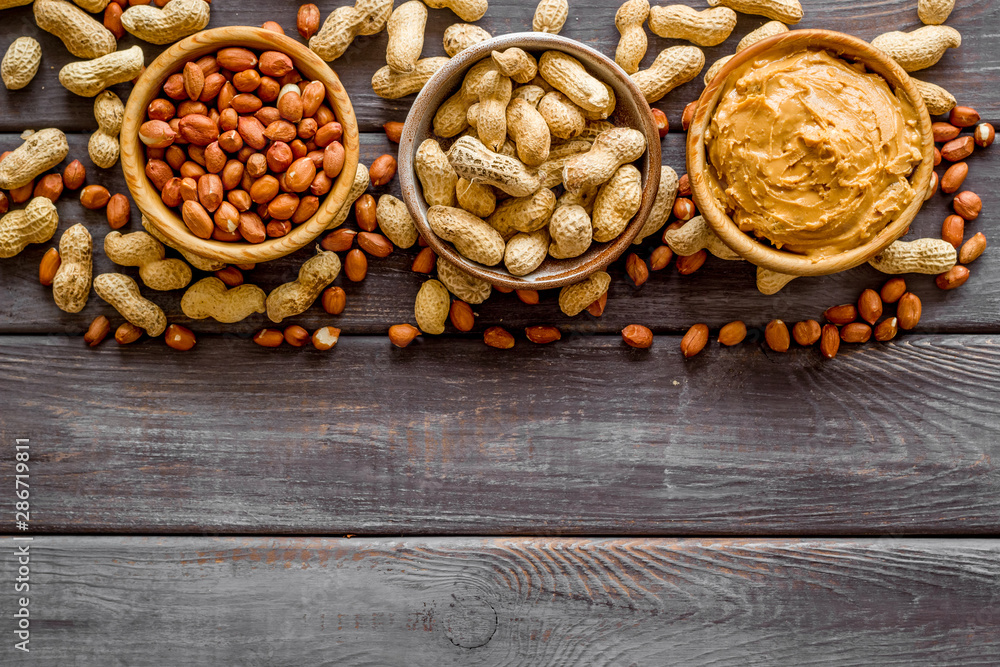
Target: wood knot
<point>470,622</point>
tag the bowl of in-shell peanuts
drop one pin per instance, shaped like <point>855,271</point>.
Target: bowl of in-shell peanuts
<point>239,144</point>
<point>530,161</point>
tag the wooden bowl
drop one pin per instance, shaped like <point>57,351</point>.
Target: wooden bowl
<point>149,86</point>
<point>631,111</point>
<point>765,255</point>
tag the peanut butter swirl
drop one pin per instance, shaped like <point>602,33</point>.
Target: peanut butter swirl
<point>811,152</point>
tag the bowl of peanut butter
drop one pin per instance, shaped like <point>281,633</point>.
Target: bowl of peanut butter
<point>810,152</point>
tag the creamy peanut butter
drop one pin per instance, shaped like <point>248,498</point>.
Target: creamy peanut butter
<point>811,152</point>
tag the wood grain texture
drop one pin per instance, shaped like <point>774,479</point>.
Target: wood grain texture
<point>585,436</point>
<point>718,293</point>
<point>475,601</point>
<point>964,71</point>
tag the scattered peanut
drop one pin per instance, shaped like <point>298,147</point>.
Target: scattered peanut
<point>709,27</point>
<point>972,249</point>
<point>573,299</point>
<point>674,66</point>
<point>934,12</point>
<point>464,286</point>
<point>406,36</point>
<point>431,307</point>
<point>769,29</point>
<point>461,36</point>
<point>36,223</point>
<point>20,62</point>
<point>142,250</point>
<point>771,282</point>
<point>968,205</point>
<point>98,331</point>
<point>71,283</point>
<point>550,16</point>
<point>325,338</point>
<point>103,146</point>
<point>937,99</point>
<point>402,335</point>
<point>395,221</point>
<point>179,338</point>
<point>983,135</point>
<point>89,77</point>
<point>123,295</point>
<point>733,333</point>
<point>295,297</point>
<point>542,335</point>
<point>776,336</point>
<point>930,256</point>
<point>269,338</point>
<point>467,10</point>
<point>127,333</point>
<point>209,297</point>
<point>694,235</point>
<point>366,17</point>
<point>920,48</point>
<point>392,85</point>
<point>892,290</point>
<point>908,311</point>
<point>632,45</point>
<point>807,332</point>
<point>786,11</point>
<point>307,20</point>
<point>694,341</point>
<point>177,19</point>
<point>40,152</point>
<point>83,36</point>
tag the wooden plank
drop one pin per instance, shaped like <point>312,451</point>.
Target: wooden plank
<point>476,601</point>
<point>667,303</point>
<point>585,436</point>
<point>46,103</point>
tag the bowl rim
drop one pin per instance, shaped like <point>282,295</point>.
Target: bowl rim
<point>147,198</point>
<point>782,261</point>
<point>498,275</point>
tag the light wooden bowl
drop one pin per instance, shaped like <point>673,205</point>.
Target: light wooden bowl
<point>149,86</point>
<point>631,111</point>
<point>765,255</point>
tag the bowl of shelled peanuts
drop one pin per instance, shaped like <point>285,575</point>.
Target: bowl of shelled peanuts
<point>239,144</point>
<point>530,161</point>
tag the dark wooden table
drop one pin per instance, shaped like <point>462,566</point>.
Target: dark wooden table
<point>581,503</point>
